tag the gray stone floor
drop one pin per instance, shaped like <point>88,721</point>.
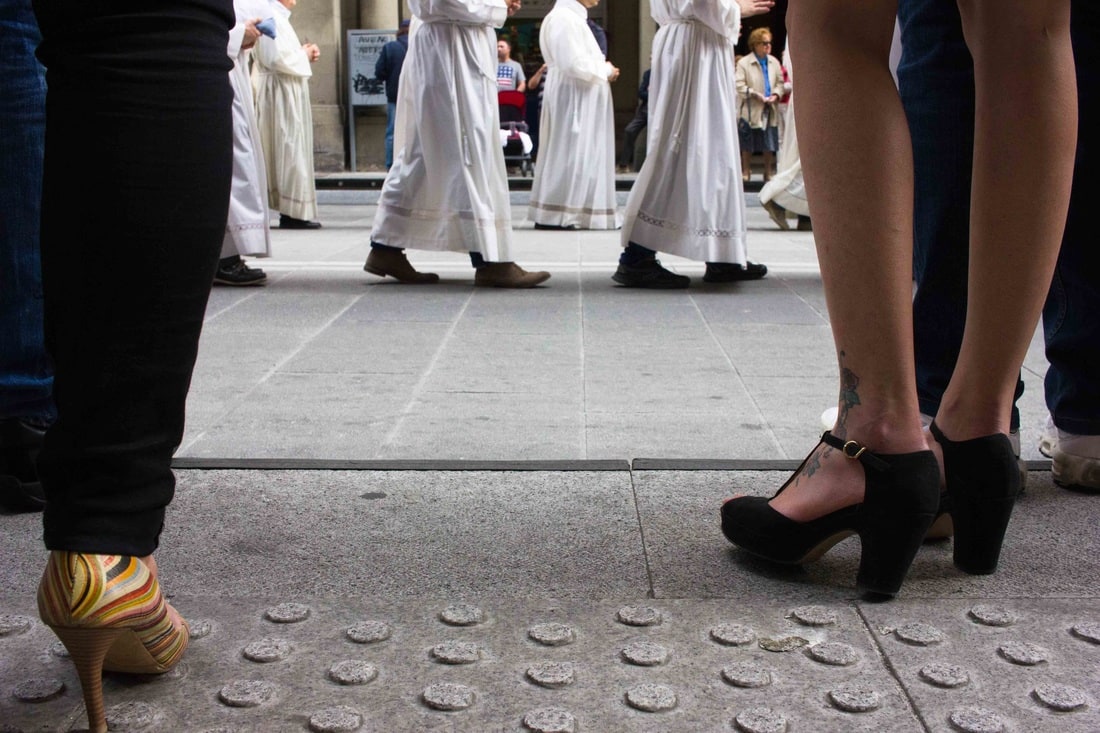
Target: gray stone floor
<point>620,421</point>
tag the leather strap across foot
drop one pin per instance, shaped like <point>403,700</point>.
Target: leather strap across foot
<point>856,450</point>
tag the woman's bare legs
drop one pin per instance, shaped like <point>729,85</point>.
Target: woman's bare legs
<point>769,165</point>
<point>1024,143</point>
<point>857,156</point>
<point>746,165</point>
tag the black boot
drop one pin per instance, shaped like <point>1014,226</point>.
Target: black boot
<point>20,489</point>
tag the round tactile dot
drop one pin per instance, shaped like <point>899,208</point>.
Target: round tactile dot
<point>1088,631</point>
<point>461,614</point>
<point>267,650</point>
<point>352,672</point>
<point>551,674</point>
<point>12,624</point>
<point>1062,698</point>
<point>732,634</point>
<point>760,720</point>
<point>976,720</point>
<point>786,644</point>
<point>246,693</point>
<point>639,616</point>
<point>944,675</point>
<point>645,653</point>
<point>199,629</point>
<point>550,720</point>
<point>813,616</point>
<point>746,674</point>
<point>651,698</point>
<point>1024,653</point>
<point>552,634</point>
<point>39,689</point>
<point>58,650</point>
<point>456,652</point>
<point>339,719</point>
<point>131,716</point>
<point>834,653</point>
<point>368,632</point>
<point>989,615</point>
<point>448,696</point>
<point>855,699</point>
<point>919,634</point>
<point>287,613</point>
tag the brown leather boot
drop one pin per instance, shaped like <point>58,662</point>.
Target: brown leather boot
<point>394,263</point>
<point>508,275</point>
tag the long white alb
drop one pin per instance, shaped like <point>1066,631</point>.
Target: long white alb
<point>688,199</point>
<point>448,188</point>
<point>786,187</point>
<point>574,183</point>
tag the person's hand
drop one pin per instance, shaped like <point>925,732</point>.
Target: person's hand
<point>251,35</point>
<point>514,6</point>
<point>313,51</point>
<point>614,73</point>
<point>750,8</point>
<point>772,99</point>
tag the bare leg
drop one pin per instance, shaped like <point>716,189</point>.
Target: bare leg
<point>746,165</point>
<point>855,157</point>
<point>769,165</point>
<point>1024,143</point>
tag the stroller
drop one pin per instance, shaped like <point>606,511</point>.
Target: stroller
<point>513,131</point>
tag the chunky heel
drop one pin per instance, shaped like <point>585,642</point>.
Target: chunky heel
<point>900,501</point>
<point>983,480</point>
<point>110,614</point>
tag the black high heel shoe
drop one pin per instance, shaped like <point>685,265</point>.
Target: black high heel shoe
<point>900,501</point>
<point>983,481</point>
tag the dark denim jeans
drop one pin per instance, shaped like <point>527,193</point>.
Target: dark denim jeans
<point>936,78</point>
<point>25,377</point>
<point>391,121</point>
<point>134,203</point>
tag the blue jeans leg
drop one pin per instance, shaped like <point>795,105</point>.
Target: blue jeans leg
<point>391,116</point>
<point>1070,323</point>
<point>25,376</point>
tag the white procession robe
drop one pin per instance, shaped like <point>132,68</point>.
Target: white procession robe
<point>574,183</point>
<point>448,187</point>
<point>286,118</point>
<point>688,199</point>
<point>786,187</point>
<point>247,230</point>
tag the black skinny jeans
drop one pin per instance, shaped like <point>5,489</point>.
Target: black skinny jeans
<point>134,204</point>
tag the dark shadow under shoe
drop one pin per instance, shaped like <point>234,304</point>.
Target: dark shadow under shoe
<point>649,274</point>
<point>234,271</point>
<point>900,501</point>
<point>554,227</point>
<point>289,222</point>
<point>20,489</point>
<point>728,272</point>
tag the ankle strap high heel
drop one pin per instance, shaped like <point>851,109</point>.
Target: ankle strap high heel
<point>983,480</point>
<point>110,614</point>
<point>901,497</point>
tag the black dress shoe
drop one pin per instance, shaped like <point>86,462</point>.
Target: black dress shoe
<point>649,274</point>
<point>234,271</point>
<point>554,227</point>
<point>289,222</point>
<point>728,272</point>
<point>20,489</point>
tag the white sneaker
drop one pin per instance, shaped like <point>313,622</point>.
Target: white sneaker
<point>1075,459</point>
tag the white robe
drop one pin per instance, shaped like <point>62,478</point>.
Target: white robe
<point>688,199</point>
<point>786,187</point>
<point>286,118</point>
<point>448,187</point>
<point>247,230</point>
<point>574,183</point>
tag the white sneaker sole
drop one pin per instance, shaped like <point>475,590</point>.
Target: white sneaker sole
<point>1077,472</point>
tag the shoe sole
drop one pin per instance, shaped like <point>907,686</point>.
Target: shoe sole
<point>657,286</point>
<point>1076,473</point>
<point>514,286</point>
<point>246,283</point>
<point>383,273</point>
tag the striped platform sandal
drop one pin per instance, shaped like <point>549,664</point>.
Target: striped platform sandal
<point>109,613</point>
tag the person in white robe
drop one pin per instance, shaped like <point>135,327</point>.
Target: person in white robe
<point>282,71</point>
<point>574,184</point>
<point>785,193</point>
<point>448,188</point>
<point>247,229</point>
<point>688,199</point>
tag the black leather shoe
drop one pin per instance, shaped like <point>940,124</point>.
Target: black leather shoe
<point>20,489</point>
<point>289,222</point>
<point>234,271</point>
<point>553,227</point>
<point>649,274</point>
<point>728,272</point>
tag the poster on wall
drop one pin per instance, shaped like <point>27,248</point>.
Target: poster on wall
<point>364,47</point>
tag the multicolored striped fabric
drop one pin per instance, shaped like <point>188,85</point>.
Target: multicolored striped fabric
<point>86,591</point>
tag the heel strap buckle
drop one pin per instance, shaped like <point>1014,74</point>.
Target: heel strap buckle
<point>855,450</point>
